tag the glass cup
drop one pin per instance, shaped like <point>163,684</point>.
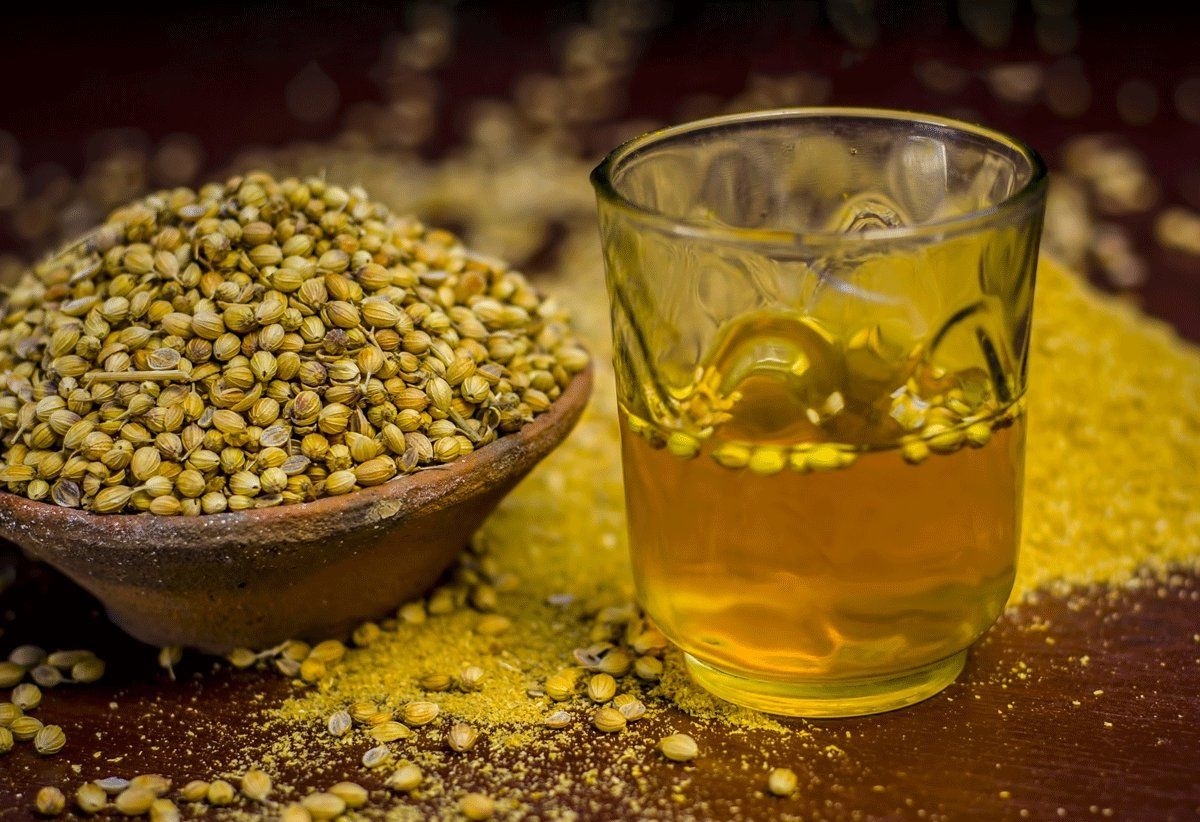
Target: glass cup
<point>820,334</point>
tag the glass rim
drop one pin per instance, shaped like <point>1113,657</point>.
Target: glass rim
<point>602,180</point>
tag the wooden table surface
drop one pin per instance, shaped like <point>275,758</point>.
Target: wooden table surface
<point>1081,706</point>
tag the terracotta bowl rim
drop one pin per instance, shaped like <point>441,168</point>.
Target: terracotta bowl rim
<point>573,400</point>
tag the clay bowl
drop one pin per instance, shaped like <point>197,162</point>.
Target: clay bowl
<point>316,569</point>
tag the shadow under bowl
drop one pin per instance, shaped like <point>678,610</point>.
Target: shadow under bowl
<point>310,570</point>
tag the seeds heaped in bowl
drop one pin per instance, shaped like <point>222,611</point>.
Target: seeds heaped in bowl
<point>261,343</point>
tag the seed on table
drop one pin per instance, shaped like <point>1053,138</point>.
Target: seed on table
<point>376,757</point>
<point>49,740</point>
<point>27,656</point>
<point>220,792</point>
<point>477,806</point>
<point>157,783</point>
<point>26,696</point>
<point>616,663</point>
<point>782,781</point>
<point>295,812</point>
<point>10,674</point>
<point>353,794</point>
<point>241,658</point>
<point>406,777</point>
<point>88,671</point>
<point>134,801</point>
<point>329,651</point>
<point>361,711</point>
<point>601,688</point>
<point>339,723</point>
<point>194,791</point>
<point>46,676</point>
<point>91,798</point>
<point>562,685</point>
<point>164,810</point>
<point>50,801</point>
<point>365,634</point>
<point>256,785</point>
<point>25,728</point>
<point>914,452</point>
<point>379,717</point>
<point>435,682</point>
<point>492,625</point>
<point>632,711</point>
<point>390,731</point>
<point>312,669</point>
<point>648,668</point>
<point>67,659</point>
<point>608,720</point>
<point>420,713</point>
<point>462,737</point>
<point>9,712</point>
<point>558,720</point>
<point>679,747</point>
<point>323,805</point>
<point>113,785</point>
<point>471,679</point>
<point>6,740</point>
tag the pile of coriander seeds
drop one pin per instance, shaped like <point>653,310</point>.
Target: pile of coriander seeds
<point>260,343</point>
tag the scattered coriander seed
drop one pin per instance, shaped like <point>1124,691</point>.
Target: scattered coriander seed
<point>27,656</point>
<point>471,679</point>
<point>353,794</point>
<point>295,812</point>
<point>113,785</point>
<point>376,757</point>
<point>6,740</point>
<point>87,671</point>
<point>461,737</point>
<point>91,798</point>
<point>169,657</point>
<point>312,669</point>
<point>220,793</point>
<point>558,720</point>
<point>679,747</point>
<point>562,685</point>
<point>608,720</point>
<point>47,676</point>
<point>648,668</point>
<point>194,791</point>
<point>256,785</point>
<point>66,660</point>
<point>781,781</point>
<point>323,805</point>
<point>601,688</point>
<point>632,711</point>
<point>435,682</point>
<point>157,783</point>
<point>339,723</point>
<point>390,731</point>
<point>477,806</point>
<point>492,625</point>
<point>329,651</point>
<point>10,674</point>
<point>49,740</point>
<point>914,452</point>
<point>50,801</point>
<point>411,613</point>
<point>9,712</point>
<point>25,728</point>
<point>134,801</point>
<point>26,696</point>
<point>365,634</point>
<point>164,810</point>
<point>406,777</point>
<point>420,713</point>
<point>240,658</point>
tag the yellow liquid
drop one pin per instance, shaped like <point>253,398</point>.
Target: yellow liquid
<point>864,574</point>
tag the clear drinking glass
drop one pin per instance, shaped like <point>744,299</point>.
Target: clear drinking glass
<point>820,332</point>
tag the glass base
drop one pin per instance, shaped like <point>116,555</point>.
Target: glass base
<point>857,697</point>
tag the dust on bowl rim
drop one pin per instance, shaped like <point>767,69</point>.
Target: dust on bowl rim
<point>603,176</point>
